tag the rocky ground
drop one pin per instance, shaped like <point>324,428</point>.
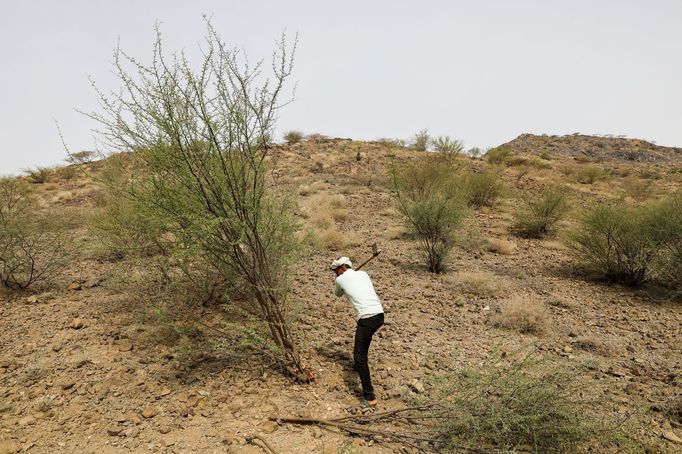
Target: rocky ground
<point>78,372</point>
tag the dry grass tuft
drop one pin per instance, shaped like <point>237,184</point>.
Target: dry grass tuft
<point>500,246</point>
<point>480,283</point>
<point>593,344</point>
<point>523,313</point>
<point>395,233</point>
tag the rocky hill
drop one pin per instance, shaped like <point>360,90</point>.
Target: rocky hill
<point>597,147</point>
<point>99,360</point>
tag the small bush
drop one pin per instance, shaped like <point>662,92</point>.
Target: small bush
<point>498,155</point>
<point>668,230</point>
<point>31,248</point>
<point>478,283</point>
<point>589,175</point>
<point>475,152</point>
<point>421,140</point>
<point>293,137</point>
<point>541,212</point>
<point>620,241</point>
<point>430,197</point>
<point>483,189</point>
<point>640,190</point>
<point>39,175</point>
<point>525,314</point>
<point>500,246</point>
<point>517,405</point>
<point>448,146</point>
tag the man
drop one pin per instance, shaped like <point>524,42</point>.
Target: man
<point>357,287</point>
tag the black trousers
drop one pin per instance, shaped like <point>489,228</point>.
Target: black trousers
<point>363,337</point>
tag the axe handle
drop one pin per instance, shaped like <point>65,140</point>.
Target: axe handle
<point>367,261</point>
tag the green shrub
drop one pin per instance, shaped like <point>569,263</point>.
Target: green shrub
<point>483,189</point>
<point>622,242</point>
<point>669,230</point>
<point>431,198</point>
<point>498,155</point>
<point>448,146</point>
<point>31,248</point>
<point>421,140</point>
<point>541,211</point>
<point>293,137</point>
<point>636,188</point>
<point>589,175</point>
<point>39,175</point>
<point>522,405</point>
<point>201,173</point>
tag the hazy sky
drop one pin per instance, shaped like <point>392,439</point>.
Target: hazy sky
<point>482,71</point>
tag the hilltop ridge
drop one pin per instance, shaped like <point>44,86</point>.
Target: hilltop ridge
<point>598,147</point>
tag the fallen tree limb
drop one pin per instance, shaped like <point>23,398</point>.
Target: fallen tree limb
<point>378,434</point>
<point>267,447</point>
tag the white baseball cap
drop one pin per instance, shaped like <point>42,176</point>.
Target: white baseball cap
<point>340,262</point>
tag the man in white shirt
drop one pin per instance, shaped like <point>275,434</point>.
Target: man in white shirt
<point>357,287</point>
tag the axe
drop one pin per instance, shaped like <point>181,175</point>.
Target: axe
<point>375,252</point>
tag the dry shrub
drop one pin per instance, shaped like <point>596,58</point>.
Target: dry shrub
<point>395,233</point>
<point>639,190</point>
<point>593,344</point>
<point>293,137</point>
<point>335,240</point>
<point>480,283</point>
<point>523,313</point>
<point>39,175</point>
<point>500,246</point>
<point>340,215</point>
<point>337,201</point>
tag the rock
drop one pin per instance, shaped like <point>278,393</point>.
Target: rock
<point>132,418</point>
<point>56,347</point>
<point>27,421</point>
<point>33,299</point>
<point>74,286</point>
<point>417,386</point>
<point>114,430</point>
<point>164,429</point>
<point>150,411</point>
<point>67,384</point>
<point>132,432</point>
<point>167,442</point>
<point>670,435</point>
<point>567,349</point>
<point>164,392</point>
<point>9,447</point>
<point>125,345</point>
<point>269,427</point>
<point>76,323</point>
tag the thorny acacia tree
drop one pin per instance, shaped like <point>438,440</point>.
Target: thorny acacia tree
<point>203,137</point>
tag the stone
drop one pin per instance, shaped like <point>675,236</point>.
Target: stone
<point>167,442</point>
<point>9,447</point>
<point>32,299</point>
<point>67,384</point>
<point>74,286</point>
<point>417,386</point>
<point>27,421</point>
<point>150,411</point>
<point>671,436</point>
<point>125,345</point>
<point>164,392</point>
<point>114,430</point>
<point>76,323</point>
<point>164,429</point>
<point>56,347</point>
<point>269,427</point>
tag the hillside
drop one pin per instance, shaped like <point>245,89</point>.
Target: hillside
<point>100,361</point>
<point>595,147</point>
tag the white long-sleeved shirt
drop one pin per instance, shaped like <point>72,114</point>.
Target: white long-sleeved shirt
<point>358,289</point>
